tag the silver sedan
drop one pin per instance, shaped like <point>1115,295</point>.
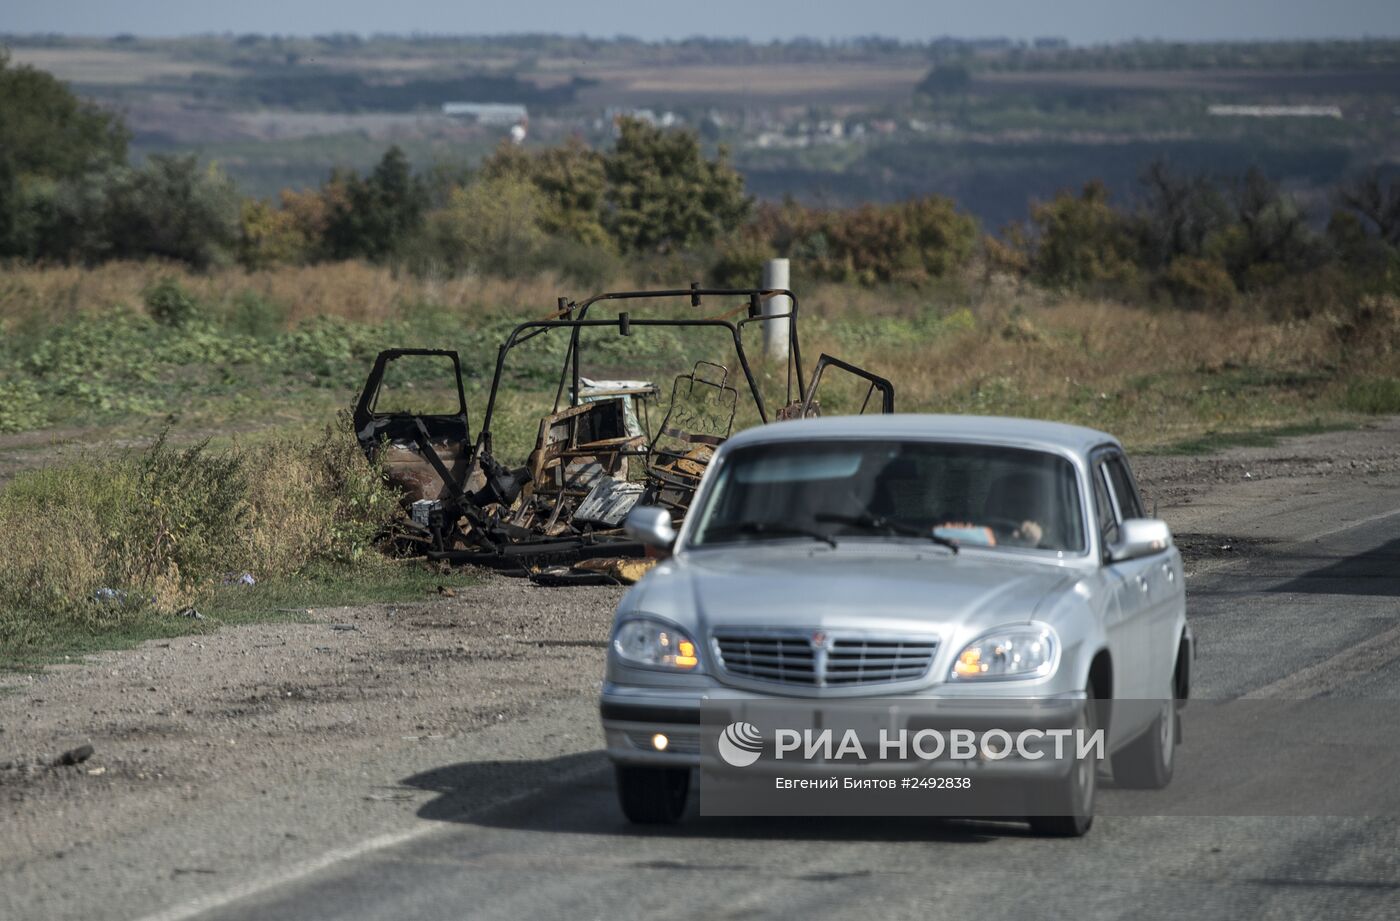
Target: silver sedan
<point>981,558</point>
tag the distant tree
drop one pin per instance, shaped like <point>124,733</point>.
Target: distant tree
<point>371,217</point>
<point>905,242</point>
<point>1370,196</point>
<point>48,138</point>
<point>173,209</point>
<point>1179,214</point>
<point>492,227</point>
<point>47,132</point>
<point>1081,241</point>
<point>665,195</point>
<point>67,220</point>
<point>1269,237</point>
<point>572,179</point>
<point>287,235</point>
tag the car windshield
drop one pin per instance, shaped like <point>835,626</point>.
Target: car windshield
<point>974,495</point>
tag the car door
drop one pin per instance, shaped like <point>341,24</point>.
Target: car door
<point>1158,581</point>
<point>868,384</point>
<point>1129,629</point>
<point>411,417</point>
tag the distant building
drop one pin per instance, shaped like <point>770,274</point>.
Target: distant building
<point>1276,111</point>
<point>664,120</point>
<point>488,113</point>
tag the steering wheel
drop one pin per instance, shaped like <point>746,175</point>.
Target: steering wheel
<point>1001,525</point>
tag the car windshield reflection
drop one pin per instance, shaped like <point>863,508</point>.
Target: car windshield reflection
<point>967,495</point>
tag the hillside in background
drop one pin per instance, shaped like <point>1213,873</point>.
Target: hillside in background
<point>992,124</point>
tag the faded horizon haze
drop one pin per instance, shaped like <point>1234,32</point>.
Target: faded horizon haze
<point>1079,21</point>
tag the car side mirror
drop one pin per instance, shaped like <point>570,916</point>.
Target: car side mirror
<point>650,525</point>
<point>1139,537</point>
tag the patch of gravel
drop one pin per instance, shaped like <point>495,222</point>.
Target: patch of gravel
<point>1370,450</point>
<point>250,707</point>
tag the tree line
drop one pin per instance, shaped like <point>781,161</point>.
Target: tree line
<point>657,203</point>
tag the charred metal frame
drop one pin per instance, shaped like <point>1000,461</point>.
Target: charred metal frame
<point>574,316</point>
<point>500,543</point>
<point>877,382</point>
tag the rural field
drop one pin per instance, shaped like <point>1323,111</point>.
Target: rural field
<point>263,372</point>
<point>988,122</point>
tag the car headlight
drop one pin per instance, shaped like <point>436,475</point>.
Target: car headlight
<point>1012,652</point>
<point>642,641</point>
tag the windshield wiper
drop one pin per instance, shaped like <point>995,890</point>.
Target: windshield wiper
<point>878,523</point>
<point>770,529</point>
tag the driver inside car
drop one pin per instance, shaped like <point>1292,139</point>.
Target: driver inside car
<point>1018,499</point>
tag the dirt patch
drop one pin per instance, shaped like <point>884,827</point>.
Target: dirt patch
<point>1174,481</point>
<point>220,714</point>
<point>1198,548</point>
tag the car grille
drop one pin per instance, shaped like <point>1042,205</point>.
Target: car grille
<point>794,658</point>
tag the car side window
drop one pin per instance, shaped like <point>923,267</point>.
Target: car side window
<point>1103,505</point>
<point>1123,490</point>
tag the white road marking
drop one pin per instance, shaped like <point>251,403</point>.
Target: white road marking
<point>206,903</point>
<point>1379,516</point>
<point>1365,657</point>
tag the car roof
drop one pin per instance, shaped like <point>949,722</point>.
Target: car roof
<point>1031,433</point>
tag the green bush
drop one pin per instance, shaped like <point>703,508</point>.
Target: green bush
<point>1193,282</point>
<point>909,242</point>
<point>171,208</point>
<point>590,266</point>
<point>1374,395</point>
<point>739,263</point>
<point>115,540</point>
<point>1082,242</point>
<point>491,227</point>
<point>169,304</point>
<point>252,314</point>
<point>21,406</point>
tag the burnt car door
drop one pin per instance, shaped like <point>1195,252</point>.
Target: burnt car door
<point>868,384</point>
<point>411,417</point>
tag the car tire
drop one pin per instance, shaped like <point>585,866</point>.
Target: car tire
<point>1069,803</point>
<point>652,795</point>
<point>1147,762</point>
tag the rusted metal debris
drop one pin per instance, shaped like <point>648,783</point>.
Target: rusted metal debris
<point>558,517</point>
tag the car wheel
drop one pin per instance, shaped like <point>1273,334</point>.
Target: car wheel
<point>1070,802</point>
<point>1147,762</point>
<point>652,795</point>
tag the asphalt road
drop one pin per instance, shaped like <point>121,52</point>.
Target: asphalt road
<point>1313,613</point>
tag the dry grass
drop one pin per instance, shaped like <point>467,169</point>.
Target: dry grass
<point>353,290</point>
<point>1152,376</point>
<point>145,535</point>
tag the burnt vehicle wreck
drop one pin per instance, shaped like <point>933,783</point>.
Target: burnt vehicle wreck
<point>605,446</point>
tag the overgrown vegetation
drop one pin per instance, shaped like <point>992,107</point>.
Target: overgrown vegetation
<point>116,543</point>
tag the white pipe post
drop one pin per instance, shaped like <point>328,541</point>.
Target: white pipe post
<point>775,332</point>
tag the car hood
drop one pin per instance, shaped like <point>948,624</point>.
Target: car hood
<point>894,588</point>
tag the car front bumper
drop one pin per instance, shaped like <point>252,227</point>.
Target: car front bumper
<point>633,718</point>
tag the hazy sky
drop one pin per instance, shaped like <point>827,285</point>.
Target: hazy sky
<point>1081,21</point>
